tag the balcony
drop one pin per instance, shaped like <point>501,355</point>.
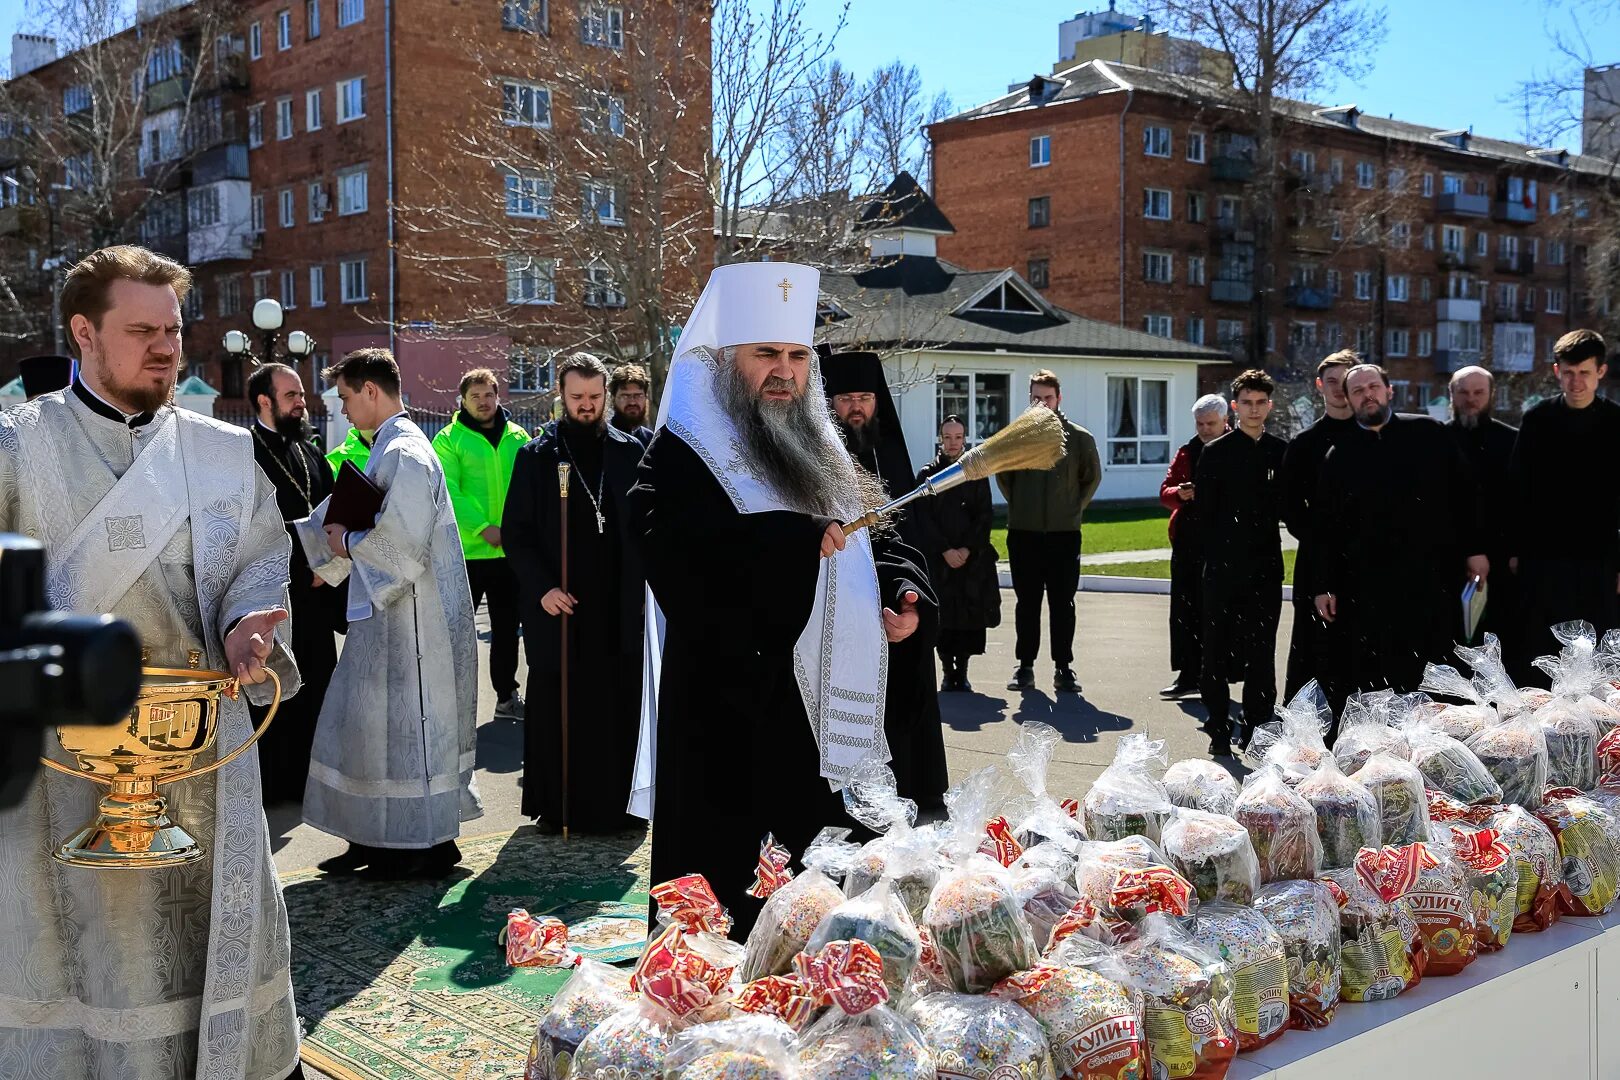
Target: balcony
<point>1513,313</point>
<point>1455,202</point>
<point>1514,213</point>
<point>227,162</point>
<point>1309,298</point>
<point>168,94</point>
<point>1233,229</point>
<point>1448,360</point>
<point>1232,167</point>
<point>1316,238</point>
<point>1453,310</point>
<point>1231,292</point>
<point>1513,347</point>
<point>1449,259</point>
<point>1519,262</point>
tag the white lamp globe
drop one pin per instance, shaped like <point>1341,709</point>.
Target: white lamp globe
<point>236,342</point>
<point>299,343</point>
<point>267,314</point>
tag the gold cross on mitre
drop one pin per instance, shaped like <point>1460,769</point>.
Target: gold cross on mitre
<point>784,285</point>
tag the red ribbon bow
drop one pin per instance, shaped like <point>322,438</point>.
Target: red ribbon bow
<point>782,996</point>
<point>1392,871</point>
<point>1149,889</point>
<point>672,974</point>
<point>1481,850</point>
<point>1002,845</point>
<point>532,942</point>
<point>1071,807</point>
<point>1025,984</point>
<point>1559,794</point>
<point>848,974</point>
<point>1608,753</point>
<point>689,902</point>
<point>772,872</point>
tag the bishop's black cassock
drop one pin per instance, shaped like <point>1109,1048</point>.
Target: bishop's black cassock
<point>604,633</point>
<point>1563,513</point>
<point>1397,519</point>
<point>736,756</point>
<point>1489,450</point>
<point>302,479</point>
<point>911,707</point>
<point>1302,472</point>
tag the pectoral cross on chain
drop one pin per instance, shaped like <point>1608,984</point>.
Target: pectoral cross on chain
<point>601,522</point>
<point>784,285</point>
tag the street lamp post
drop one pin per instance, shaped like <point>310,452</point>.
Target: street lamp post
<point>267,318</point>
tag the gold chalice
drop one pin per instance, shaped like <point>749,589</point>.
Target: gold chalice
<point>175,720</point>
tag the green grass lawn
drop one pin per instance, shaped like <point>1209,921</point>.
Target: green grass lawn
<point>1139,527</point>
<point>1161,569</point>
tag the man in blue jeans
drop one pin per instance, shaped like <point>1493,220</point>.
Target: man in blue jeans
<point>1043,540</point>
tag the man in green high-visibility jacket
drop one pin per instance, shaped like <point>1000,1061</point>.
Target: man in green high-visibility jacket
<point>478,449</point>
<point>356,447</point>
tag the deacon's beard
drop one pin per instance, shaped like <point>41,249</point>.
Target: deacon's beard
<point>289,426</point>
<point>794,444</point>
<point>141,396</point>
<point>626,422</point>
<point>586,429</point>
<point>863,439</point>
<point>1377,417</point>
<point>1469,421</point>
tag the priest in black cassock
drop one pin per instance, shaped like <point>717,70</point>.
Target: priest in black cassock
<point>603,604</point>
<point>769,638</point>
<point>1401,535</point>
<point>1308,657</point>
<point>1563,506</point>
<point>864,413</point>
<point>285,453</point>
<point>1487,443</point>
<point>1239,484</point>
<point>42,374</point>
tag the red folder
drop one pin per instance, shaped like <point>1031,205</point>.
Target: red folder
<point>355,501</point>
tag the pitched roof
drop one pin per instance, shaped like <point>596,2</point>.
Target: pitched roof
<point>920,302</point>
<point>1097,77</point>
<point>904,205</point>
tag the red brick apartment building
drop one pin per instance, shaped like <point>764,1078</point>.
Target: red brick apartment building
<point>1125,194</point>
<point>311,161</point>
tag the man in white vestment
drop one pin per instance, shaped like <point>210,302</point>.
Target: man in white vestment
<point>160,516</point>
<point>392,768</point>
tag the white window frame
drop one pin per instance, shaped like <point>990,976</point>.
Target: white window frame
<point>1397,341</point>
<point>1428,185</point>
<point>1555,301</point>
<point>202,207</point>
<point>519,98</point>
<point>348,282</point>
<point>600,288</point>
<point>317,286</point>
<point>1195,147</point>
<point>1040,151</point>
<point>357,86</point>
<point>535,189</point>
<point>289,289</point>
<point>1158,266</point>
<point>255,41</point>
<point>1195,330</point>
<point>312,19</point>
<point>1160,441</point>
<point>610,106</point>
<point>528,16</point>
<point>1425,343</point>
<point>594,203</point>
<point>347,204</point>
<point>284,119</point>
<point>228,289</point>
<point>312,109</point>
<point>1397,288</point>
<point>255,126</point>
<point>601,24</point>
<point>1482,243</point>
<point>350,12</point>
<point>1157,142</point>
<point>283,29</point>
<point>288,208</point>
<point>1400,234</point>
<point>256,213</point>
<point>261,285</point>
<point>1364,285</point>
<point>1457,233</point>
<point>1152,196</point>
<point>530,280</point>
<point>319,201</point>
<point>1197,207</point>
<point>1197,270</point>
<point>1163,326</point>
<point>1366,175</point>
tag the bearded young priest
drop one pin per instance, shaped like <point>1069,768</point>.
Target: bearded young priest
<point>769,640</point>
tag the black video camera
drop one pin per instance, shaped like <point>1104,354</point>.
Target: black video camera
<point>56,668</point>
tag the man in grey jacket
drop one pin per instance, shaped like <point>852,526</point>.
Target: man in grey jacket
<point>1043,540</point>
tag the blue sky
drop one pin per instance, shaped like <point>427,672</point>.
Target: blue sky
<point>1444,62</point>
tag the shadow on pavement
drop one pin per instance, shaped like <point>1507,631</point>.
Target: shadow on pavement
<point>283,818</point>
<point>500,746</point>
<point>1076,719</point>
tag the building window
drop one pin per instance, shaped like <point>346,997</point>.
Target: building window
<point>1428,238</point>
<point>1425,290</point>
<point>1400,234</point>
<point>312,19</point>
<point>1554,202</point>
<point>1195,270</point>
<point>980,399</point>
<point>289,216</point>
<point>1158,325</point>
<point>1195,331</point>
<point>1364,285</point>
<point>1332,336</point>
<point>1304,162</point>
<point>1482,243</point>
<point>602,114</point>
<point>1395,342</point>
<point>1229,334</point>
<point>1336,171</point>
<point>602,24</point>
<point>284,118</point>
<point>1366,175</point>
<point>1397,287</point>
<point>528,195</point>
<point>525,104</point>
<point>312,110</point>
<point>255,123</point>
<point>528,371</point>
<point>202,207</point>
<point>1156,141</point>
<point>599,287</point>
<point>1156,204</point>
<point>1040,212</point>
<point>352,191</point>
<point>353,281</point>
<point>1039,274</point>
<point>1040,151</point>
<point>261,285</point>
<point>255,42</point>
<point>1195,149</point>
<point>1335,285</point>
<point>289,289</point>
<point>1425,343</point>
<point>1451,184</point>
<point>319,201</point>
<point>602,202</point>
<point>1195,207</point>
<point>1557,253</point>
<point>1364,340</point>
<point>1453,239</point>
<point>1138,431</point>
<point>530,280</point>
<point>528,15</point>
<point>283,30</point>
<point>351,99</point>
<point>1555,301</point>
<point>192,309</point>
<point>1396,180</point>
<point>1158,266</point>
<point>317,286</point>
<point>256,213</point>
<point>351,11</point>
<point>230,294</point>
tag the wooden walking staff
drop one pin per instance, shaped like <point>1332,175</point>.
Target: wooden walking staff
<point>562,489</point>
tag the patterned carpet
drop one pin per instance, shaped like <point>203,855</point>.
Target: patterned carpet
<point>405,981</point>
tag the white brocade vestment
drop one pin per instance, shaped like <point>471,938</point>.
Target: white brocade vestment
<point>394,745</point>
<point>148,974</point>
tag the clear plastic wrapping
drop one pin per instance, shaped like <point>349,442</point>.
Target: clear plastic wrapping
<point>979,931</point>
<point>1044,820</point>
<point>592,993</point>
<point>1347,817</point>
<point>632,1044</point>
<point>1460,721</point>
<point>1441,902</point>
<point>1258,962</point>
<point>1540,884</point>
<point>879,918</point>
<point>1092,1019</point>
<point>1201,785</point>
<point>1493,882</point>
<point>1586,845</point>
<point>974,1035</point>
<point>1214,853</point>
<point>906,855</point>
<point>1381,953</point>
<point>859,1037</point>
<point>792,913</point>
<point>1186,1001</point>
<point>1305,915</point>
<point>741,1048</point>
<point>1367,726</point>
<point>1515,752</point>
<point>1295,741</point>
<point>1448,765</point>
<point>1397,787</point>
<point>1043,879</point>
<point>1281,825</point>
<point>1128,799</point>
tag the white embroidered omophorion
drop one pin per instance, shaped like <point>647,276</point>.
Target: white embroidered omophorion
<point>176,972</point>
